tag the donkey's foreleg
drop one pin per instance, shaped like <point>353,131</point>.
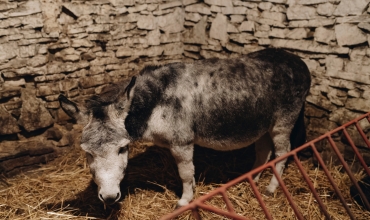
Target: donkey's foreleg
<point>184,160</point>
<point>280,137</point>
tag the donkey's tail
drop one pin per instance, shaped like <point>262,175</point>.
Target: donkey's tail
<point>298,135</point>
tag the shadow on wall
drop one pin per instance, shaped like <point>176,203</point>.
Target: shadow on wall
<point>155,168</point>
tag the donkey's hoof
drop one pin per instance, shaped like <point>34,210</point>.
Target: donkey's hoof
<point>181,203</point>
<point>268,193</point>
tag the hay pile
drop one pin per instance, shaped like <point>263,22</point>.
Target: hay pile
<point>63,189</point>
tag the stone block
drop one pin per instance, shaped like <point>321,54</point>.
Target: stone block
<point>33,113</point>
<point>10,92</point>
<point>306,45</point>
<point>47,89</point>
<point>264,41</point>
<point>173,22</point>
<point>233,10</point>
<point>8,124</point>
<point>137,8</point>
<point>277,16</point>
<point>219,3</point>
<point>15,83</point>
<point>147,22</point>
<point>349,34</point>
<point>207,54</point>
<point>298,33</point>
<point>313,111</point>
<point>351,7</point>
<point>194,17</point>
<point>98,28</point>
<point>248,26</point>
<point>191,55</point>
<point>235,48</point>
<point>197,35</point>
<point>265,6</point>
<point>171,38</point>
<point>200,8</point>
<point>176,3</point>
<point>8,50</point>
<point>311,2</point>
<point>243,38</point>
<point>92,81</point>
<point>173,49</point>
<point>277,33</point>
<point>299,12</point>
<point>153,37</point>
<point>318,22</point>
<point>37,61</point>
<point>219,28</point>
<point>28,8</point>
<point>355,77</point>
<point>321,101</point>
<point>81,43</point>
<point>231,28</point>
<point>324,35</point>
<point>326,9</point>
<point>79,10</point>
<point>237,18</point>
<point>358,104</point>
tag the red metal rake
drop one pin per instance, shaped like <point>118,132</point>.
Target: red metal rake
<point>199,203</point>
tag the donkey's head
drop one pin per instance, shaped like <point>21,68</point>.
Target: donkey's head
<point>104,137</point>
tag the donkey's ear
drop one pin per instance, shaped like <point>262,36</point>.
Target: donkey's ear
<point>129,86</point>
<point>73,110</point>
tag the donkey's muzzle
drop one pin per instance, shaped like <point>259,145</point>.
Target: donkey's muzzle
<point>110,199</point>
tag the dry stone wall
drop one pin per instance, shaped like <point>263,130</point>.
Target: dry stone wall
<point>76,47</point>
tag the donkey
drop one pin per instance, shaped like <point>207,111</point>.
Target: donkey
<point>223,104</point>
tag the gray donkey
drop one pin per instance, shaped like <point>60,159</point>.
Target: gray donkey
<point>223,104</point>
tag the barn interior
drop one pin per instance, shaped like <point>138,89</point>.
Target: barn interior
<point>76,48</point>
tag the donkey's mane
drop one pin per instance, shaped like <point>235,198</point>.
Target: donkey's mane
<point>149,68</point>
<point>108,96</point>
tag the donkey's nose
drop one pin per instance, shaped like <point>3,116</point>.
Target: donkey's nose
<point>110,199</point>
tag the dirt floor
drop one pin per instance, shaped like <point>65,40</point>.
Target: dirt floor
<point>63,188</point>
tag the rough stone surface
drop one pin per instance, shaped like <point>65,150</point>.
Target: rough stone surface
<point>33,114</point>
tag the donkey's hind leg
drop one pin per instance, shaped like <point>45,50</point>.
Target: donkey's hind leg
<point>280,135</point>
<point>263,148</point>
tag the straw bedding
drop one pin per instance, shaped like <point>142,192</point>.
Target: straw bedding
<point>63,188</point>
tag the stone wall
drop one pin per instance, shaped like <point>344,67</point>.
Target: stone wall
<point>75,47</point>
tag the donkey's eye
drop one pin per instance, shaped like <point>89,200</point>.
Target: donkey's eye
<point>119,106</point>
<point>122,150</point>
<point>89,156</point>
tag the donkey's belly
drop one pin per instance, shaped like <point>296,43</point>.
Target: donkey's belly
<point>225,145</point>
